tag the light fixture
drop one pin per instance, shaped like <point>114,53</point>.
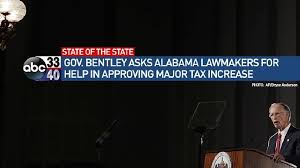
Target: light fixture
<point>11,12</point>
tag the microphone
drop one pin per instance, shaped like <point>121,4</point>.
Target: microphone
<point>269,142</point>
<point>106,133</point>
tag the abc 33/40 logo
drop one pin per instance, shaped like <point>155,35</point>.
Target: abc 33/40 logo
<point>43,68</point>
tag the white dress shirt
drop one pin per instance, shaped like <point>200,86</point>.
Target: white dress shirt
<point>283,134</point>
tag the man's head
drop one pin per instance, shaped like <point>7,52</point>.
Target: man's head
<point>280,115</point>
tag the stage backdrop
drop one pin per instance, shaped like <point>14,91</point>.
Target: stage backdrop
<point>46,124</point>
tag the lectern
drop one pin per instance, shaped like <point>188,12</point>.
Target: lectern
<point>242,158</point>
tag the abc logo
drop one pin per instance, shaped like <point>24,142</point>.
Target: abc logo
<point>34,68</point>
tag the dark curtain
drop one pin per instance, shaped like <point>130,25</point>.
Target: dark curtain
<point>2,64</point>
<point>47,124</point>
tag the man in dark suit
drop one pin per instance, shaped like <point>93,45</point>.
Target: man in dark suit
<point>285,143</point>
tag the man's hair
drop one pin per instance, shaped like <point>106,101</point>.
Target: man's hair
<point>285,107</point>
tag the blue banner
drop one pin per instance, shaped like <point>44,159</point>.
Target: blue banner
<point>181,68</point>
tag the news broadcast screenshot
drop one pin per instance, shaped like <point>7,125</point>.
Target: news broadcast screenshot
<point>152,84</point>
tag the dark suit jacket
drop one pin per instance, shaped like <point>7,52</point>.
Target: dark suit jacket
<point>290,147</point>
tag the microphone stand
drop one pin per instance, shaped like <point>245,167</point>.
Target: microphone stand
<point>202,128</point>
<point>202,131</point>
<point>105,135</point>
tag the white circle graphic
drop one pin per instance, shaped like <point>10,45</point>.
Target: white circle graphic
<point>222,160</point>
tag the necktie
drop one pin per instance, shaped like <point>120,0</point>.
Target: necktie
<point>278,140</point>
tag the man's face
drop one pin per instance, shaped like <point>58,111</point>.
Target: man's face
<point>279,116</point>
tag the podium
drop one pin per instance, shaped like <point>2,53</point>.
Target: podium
<point>244,158</point>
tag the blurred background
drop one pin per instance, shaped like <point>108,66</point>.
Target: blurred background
<point>55,124</point>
